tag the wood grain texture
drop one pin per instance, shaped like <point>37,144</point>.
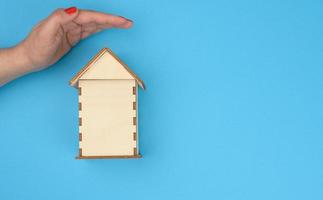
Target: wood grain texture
<point>134,136</point>
<point>108,108</point>
<point>137,110</point>
<point>107,66</point>
<point>134,90</point>
<point>73,81</point>
<point>107,117</point>
<point>134,121</point>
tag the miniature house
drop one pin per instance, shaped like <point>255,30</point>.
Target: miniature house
<point>108,108</point>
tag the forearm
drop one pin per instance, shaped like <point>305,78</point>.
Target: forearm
<point>13,63</point>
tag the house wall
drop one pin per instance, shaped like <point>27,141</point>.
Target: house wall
<point>108,118</point>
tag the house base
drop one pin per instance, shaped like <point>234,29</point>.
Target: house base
<point>108,157</point>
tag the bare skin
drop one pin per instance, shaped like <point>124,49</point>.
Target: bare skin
<point>52,38</point>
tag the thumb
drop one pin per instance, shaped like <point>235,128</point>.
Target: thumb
<point>59,18</point>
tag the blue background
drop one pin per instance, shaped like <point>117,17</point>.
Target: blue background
<point>233,109</point>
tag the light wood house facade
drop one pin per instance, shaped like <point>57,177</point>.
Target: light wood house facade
<point>108,108</point>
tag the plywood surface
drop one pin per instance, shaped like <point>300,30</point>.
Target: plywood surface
<point>107,117</point>
<point>107,67</point>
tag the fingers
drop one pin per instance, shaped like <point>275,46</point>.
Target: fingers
<point>73,39</point>
<point>90,27</point>
<point>93,22</point>
<point>77,24</point>
<point>61,17</point>
<point>58,19</point>
<point>102,19</point>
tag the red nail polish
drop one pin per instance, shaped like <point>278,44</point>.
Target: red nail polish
<point>70,10</point>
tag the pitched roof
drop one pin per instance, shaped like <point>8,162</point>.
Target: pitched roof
<point>74,80</point>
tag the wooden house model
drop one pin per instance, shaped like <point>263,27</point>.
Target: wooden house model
<point>108,108</point>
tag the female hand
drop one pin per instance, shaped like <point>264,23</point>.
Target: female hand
<point>57,34</point>
<point>54,37</point>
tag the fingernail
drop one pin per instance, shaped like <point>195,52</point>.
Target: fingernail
<point>126,19</point>
<point>70,10</point>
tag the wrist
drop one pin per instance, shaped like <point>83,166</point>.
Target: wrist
<point>21,59</point>
<point>14,62</point>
